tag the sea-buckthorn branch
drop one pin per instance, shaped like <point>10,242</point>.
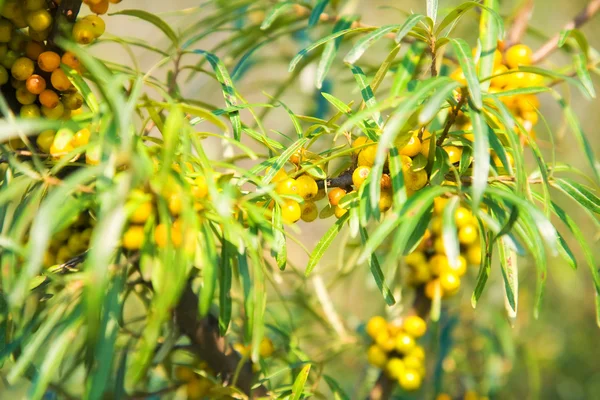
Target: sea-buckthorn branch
<point>551,45</point>
<point>519,25</point>
<point>65,12</point>
<point>451,119</point>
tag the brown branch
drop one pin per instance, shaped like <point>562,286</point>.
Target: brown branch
<point>64,15</point>
<point>551,45</point>
<point>344,180</point>
<point>519,25</point>
<point>451,119</point>
<point>211,347</point>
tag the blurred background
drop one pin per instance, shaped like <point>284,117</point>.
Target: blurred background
<point>554,357</point>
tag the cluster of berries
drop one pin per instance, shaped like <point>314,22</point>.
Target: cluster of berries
<point>71,241</point>
<point>143,216</point>
<point>429,264</point>
<point>507,77</point>
<point>395,350</point>
<point>196,386</point>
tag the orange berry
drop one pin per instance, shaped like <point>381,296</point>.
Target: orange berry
<point>60,81</point>
<point>34,49</point>
<point>71,60</point>
<point>335,195</point>
<point>49,61</point>
<point>49,98</point>
<point>35,84</point>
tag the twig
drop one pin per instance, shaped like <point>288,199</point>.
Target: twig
<point>519,25</point>
<point>551,45</point>
<point>342,181</point>
<point>451,119</point>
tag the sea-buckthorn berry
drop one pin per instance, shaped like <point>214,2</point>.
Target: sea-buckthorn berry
<point>417,353</point>
<point>83,32</point>
<point>290,211</point>
<point>414,364</point>
<point>22,69</point>
<point>367,156</point>
<point>463,217</point>
<point>184,374</point>
<point>438,263</point>
<point>54,113</point>
<point>376,356</point>
<point>71,60</point>
<point>459,76</point>
<point>200,188</point>
<point>414,258</point>
<point>410,380</point>
<point>309,211</point>
<point>62,143</point>
<point>30,111</point>
<point>359,141</point>
<point>459,269</point>
<point>385,201</point>
<point>433,289</point>
<point>517,55</point>
<point>375,325</point>
<point>307,187</point>
<point>287,186</point>
<point>415,180</point>
<point>467,234</point>
<point>450,283</point>
<point>175,203</point>
<point>454,153</point>
<point>72,101</point>
<point>385,341</point>
<point>81,138</point>
<point>499,80</point>
<point>142,212</point>
<point>266,348</point>
<point>48,61</point>
<point>60,81</point>
<point>44,140</point>
<point>394,367</point>
<point>279,175</point>
<point>32,5</point>
<point>97,24</point>
<point>335,195</point>
<point>413,147</point>
<point>9,59</point>
<point>39,36</point>
<point>359,176</point>
<point>198,389</point>
<point>49,98</point>
<point>100,7</point>
<point>36,84</point>
<point>6,31</point>
<point>528,102</point>
<point>24,96</point>
<point>474,255</point>
<point>133,238</point>
<point>415,326</point>
<point>339,212</point>
<point>39,20</point>
<point>531,116</point>
<point>385,183</point>
<point>404,343</point>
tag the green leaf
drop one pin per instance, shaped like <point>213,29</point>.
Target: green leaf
<point>316,12</point>
<point>410,23</point>
<point>556,76</point>
<point>453,16</point>
<point>330,51</point>
<point>519,91</point>
<point>228,90</point>
<point>407,68</point>
<point>274,12</point>
<point>336,390</point>
<point>278,247</point>
<point>377,272</point>
<point>578,192</point>
<point>384,68</point>
<point>465,59</point>
<point>481,156</point>
<point>579,38</point>
<point>366,92</point>
<point>367,41</point>
<point>278,163</point>
<point>449,232</point>
<point>225,277</point>
<point>510,275</point>
<point>298,387</point>
<point>433,106</point>
<point>488,37</point>
<point>154,20</point>
<point>432,7</point>
<point>324,40</point>
<point>396,174</point>
<point>325,242</point>
<point>209,269</point>
<point>584,75</point>
<point>484,268</point>
<point>313,170</point>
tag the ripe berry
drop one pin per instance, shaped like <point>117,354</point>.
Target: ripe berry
<point>200,188</point>
<point>367,156</point>
<point>175,203</point>
<point>54,113</point>
<point>44,140</point>
<point>463,217</point>
<point>60,81</point>
<point>415,326</point>
<point>474,254</point>
<point>385,182</point>
<point>376,356</point>
<point>385,201</point>
<point>24,96</point>
<point>133,238</point>
<point>290,211</point>
<point>83,32</point>
<point>335,195</point>
<point>93,155</point>
<point>339,212</point>
<point>307,187</point>
<point>287,186</point>
<point>279,176</point>
<point>414,258</point>
<point>72,101</point>
<point>433,289</point>
<point>30,111</point>
<point>49,98</point>
<point>405,343</point>
<point>412,148</point>
<point>394,368</point>
<point>309,211</point>
<point>101,7</point>
<point>518,55</point>
<point>39,20</point>
<point>359,176</point>
<point>467,234</point>
<point>71,60</point>
<point>459,76</point>
<point>501,80</point>
<point>385,341</point>
<point>375,325</point>
<point>454,153</point>
<point>415,180</point>
<point>449,283</point>
<point>36,84</point>
<point>197,389</point>
<point>81,138</point>
<point>266,348</point>
<point>49,61</point>
<point>6,31</point>
<point>97,24</point>
<point>359,142</point>
<point>420,274</point>
<point>22,68</point>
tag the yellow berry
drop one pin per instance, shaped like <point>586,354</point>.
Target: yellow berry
<point>394,367</point>
<point>415,326</point>
<point>405,343</point>
<point>375,325</point>
<point>366,158</point>
<point>22,69</point>
<point>376,356</point>
<point>287,186</point>
<point>385,341</point>
<point>200,188</point>
<point>410,380</point>
<point>385,201</point>
<point>290,211</point>
<point>81,138</point>
<point>517,55</point>
<point>359,142</point>
<point>83,32</point>
<point>39,20</point>
<point>307,187</point>
<point>184,374</point>
<point>467,234</point>
<point>433,289</point>
<point>339,212</point>
<point>133,237</point>
<point>266,348</point>
<point>414,258</point>
<point>415,180</point>
<point>454,153</point>
<point>463,217</point>
<point>30,111</point>
<point>60,81</point>
<point>450,283</point>
<point>97,24</point>
<point>359,176</point>
<point>413,147</point>
<point>474,255</point>
<point>309,211</point>
<point>44,140</point>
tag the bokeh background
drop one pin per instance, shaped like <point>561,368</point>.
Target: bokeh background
<point>554,357</point>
